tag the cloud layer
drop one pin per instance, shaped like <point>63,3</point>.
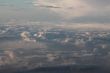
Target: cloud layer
<point>66,8</point>
<point>56,12</point>
<point>76,8</point>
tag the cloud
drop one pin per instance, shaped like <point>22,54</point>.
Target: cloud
<point>22,44</point>
<point>50,57</point>
<point>66,8</point>
<point>98,3</point>
<point>85,26</point>
<point>92,19</point>
<point>26,37</point>
<point>58,11</point>
<point>10,54</point>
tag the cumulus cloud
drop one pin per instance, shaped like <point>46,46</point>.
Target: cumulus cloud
<point>50,57</point>
<point>10,54</point>
<point>26,37</point>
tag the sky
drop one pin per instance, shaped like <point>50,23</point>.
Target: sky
<point>83,12</point>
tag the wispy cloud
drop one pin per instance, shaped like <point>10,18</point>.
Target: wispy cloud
<point>66,8</point>
<point>56,11</point>
<point>75,8</point>
<point>82,26</point>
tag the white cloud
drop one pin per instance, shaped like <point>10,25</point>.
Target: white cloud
<point>66,8</point>
<point>26,37</point>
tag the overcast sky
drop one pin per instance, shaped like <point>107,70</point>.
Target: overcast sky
<point>55,11</point>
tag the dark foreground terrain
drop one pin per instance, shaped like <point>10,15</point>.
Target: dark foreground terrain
<point>63,69</point>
